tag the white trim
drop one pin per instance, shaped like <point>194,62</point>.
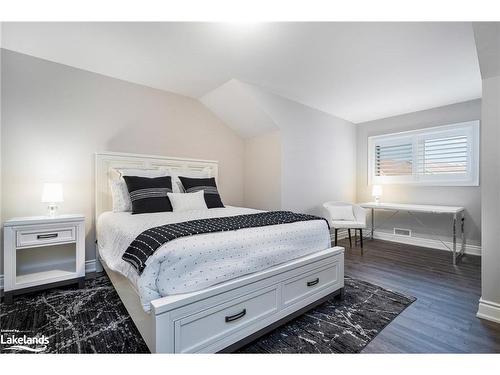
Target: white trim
<point>424,242</point>
<point>489,310</point>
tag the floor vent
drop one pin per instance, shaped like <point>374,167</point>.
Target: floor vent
<point>402,232</point>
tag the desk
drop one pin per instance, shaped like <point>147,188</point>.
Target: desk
<point>450,210</point>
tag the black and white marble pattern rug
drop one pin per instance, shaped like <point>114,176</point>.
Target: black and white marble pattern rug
<point>93,320</point>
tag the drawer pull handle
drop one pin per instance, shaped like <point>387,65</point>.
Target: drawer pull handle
<point>49,235</point>
<point>312,283</point>
<point>236,316</point>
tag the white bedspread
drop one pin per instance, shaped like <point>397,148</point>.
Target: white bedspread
<point>192,263</point>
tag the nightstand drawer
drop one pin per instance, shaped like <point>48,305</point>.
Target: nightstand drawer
<point>40,237</point>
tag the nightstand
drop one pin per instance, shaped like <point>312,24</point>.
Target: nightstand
<point>42,252</point>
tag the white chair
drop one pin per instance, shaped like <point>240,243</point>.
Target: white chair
<point>346,216</point>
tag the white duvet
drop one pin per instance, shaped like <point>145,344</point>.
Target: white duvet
<point>192,263</point>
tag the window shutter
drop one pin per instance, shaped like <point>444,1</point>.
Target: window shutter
<point>443,156</point>
<point>394,160</point>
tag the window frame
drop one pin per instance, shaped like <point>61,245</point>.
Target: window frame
<point>416,138</point>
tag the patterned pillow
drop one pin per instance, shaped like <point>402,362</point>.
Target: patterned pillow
<point>175,173</point>
<point>208,185</point>
<point>149,194</point>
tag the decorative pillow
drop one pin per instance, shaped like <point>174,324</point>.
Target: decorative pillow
<point>121,198</point>
<point>208,185</point>
<point>175,173</point>
<point>342,213</point>
<point>187,201</point>
<point>149,194</point>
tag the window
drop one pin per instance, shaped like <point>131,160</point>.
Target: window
<point>443,155</point>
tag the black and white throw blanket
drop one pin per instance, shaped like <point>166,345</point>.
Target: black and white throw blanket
<point>152,239</point>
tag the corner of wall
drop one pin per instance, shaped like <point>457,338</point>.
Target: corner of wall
<point>262,171</point>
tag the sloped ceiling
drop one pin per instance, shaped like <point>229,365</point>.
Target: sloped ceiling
<point>234,104</point>
<point>252,111</point>
<point>356,71</point>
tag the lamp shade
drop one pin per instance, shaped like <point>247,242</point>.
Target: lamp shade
<point>376,190</point>
<point>52,193</point>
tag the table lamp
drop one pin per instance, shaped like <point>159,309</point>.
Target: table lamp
<point>52,194</point>
<point>377,192</point>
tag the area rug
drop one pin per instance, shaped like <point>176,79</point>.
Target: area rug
<point>93,320</point>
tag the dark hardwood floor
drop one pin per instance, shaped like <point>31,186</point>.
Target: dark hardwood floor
<point>442,320</point>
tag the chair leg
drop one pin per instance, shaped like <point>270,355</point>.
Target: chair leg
<point>350,240</point>
<point>361,240</point>
<point>336,236</point>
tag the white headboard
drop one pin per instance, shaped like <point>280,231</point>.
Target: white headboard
<point>105,162</point>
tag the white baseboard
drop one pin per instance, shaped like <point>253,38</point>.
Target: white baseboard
<point>424,242</point>
<point>488,310</point>
<point>90,266</point>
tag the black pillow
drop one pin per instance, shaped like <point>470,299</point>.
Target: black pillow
<point>208,185</point>
<point>149,194</point>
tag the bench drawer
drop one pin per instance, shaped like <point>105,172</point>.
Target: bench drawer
<point>41,237</point>
<point>301,286</point>
<point>195,332</point>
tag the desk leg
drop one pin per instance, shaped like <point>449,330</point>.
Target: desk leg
<point>373,222</point>
<point>454,239</point>
<point>462,225</point>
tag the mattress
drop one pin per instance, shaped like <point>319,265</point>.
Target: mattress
<point>193,263</point>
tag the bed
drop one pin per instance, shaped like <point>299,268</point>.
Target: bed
<point>216,291</point>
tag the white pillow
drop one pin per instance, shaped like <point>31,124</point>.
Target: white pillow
<point>187,201</point>
<point>342,213</point>
<point>121,197</point>
<point>119,191</point>
<point>175,173</point>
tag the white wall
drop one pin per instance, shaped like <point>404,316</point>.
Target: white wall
<point>1,221</point>
<point>490,189</point>
<point>262,171</point>
<point>487,36</point>
<point>469,197</point>
<point>318,154</point>
<point>55,117</point>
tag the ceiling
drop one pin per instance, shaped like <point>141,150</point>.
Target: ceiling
<point>356,71</point>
